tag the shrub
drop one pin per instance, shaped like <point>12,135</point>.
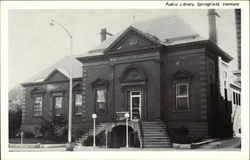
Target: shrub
<point>181,135</point>
<point>28,134</point>
<point>15,120</point>
<point>187,139</point>
<point>77,134</point>
<point>56,129</point>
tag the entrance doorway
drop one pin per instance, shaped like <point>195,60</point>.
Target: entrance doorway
<point>135,105</point>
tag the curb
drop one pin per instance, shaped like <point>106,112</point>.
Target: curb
<point>192,145</point>
<point>181,146</point>
<point>38,145</point>
<point>52,145</point>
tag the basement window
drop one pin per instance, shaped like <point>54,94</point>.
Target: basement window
<point>182,96</point>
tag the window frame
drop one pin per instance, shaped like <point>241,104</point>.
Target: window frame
<point>182,96</point>
<point>239,100</point>
<point>105,103</point>
<point>33,104</point>
<point>234,99</point>
<point>54,108</point>
<point>75,106</point>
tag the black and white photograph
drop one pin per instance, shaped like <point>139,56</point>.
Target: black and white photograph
<point>143,80</point>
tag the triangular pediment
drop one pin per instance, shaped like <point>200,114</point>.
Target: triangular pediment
<point>132,39</point>
<point>182,75</point>
<point>57,75</point>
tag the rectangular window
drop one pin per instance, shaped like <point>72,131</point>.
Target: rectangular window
<point>37,106</point>
<point>233,97</point>
<point>101,101</point>
<point>78,104</point>
<point>236,98</point>
<point>182,96</point>
<point>226,100</point>
<point>239,99</point>
<point>57,106</point>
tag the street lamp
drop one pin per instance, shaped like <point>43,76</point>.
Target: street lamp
<point>69,146</point>
<point>94,117</point>
<point>126,116</point>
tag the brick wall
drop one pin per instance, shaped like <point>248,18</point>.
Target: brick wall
<point>29,122</point>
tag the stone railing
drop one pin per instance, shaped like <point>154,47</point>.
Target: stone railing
<point>140,134</point>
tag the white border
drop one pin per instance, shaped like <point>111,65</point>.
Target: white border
<point>234,155</point>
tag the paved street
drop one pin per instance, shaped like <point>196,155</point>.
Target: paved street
<point>224,144</point>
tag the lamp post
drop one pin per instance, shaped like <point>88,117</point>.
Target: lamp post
<point>126,116</point>
<point>94,117</point>
<point>69,146</point>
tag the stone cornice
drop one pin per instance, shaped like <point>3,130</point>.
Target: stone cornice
<point>92,58</point>
<point>189,45</point>
<point>209,45</point>
<point>118,54</point>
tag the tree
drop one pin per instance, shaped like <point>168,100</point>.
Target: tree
<point>15,120</point>
<point>15,111</point>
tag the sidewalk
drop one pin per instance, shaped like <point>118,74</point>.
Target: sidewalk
<point>233,143</point>
<point>219,144</point>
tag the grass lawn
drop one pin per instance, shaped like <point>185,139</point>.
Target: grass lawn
<point>33,141</point>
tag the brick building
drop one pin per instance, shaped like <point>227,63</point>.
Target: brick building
<point>162,72</point>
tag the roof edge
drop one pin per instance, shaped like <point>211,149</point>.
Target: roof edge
<point>225,57</point>
<point>47,82</point>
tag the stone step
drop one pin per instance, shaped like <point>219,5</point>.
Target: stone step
<point>153,127</point>
<point>150,141</point>
<point>153,124</point>
<point>149,126</point>
<point>154,143</point>
<point>157,146</point>
<point>156,138</point>
<point>154,130</point>
<point>155,133</point>
<point>99,129</point>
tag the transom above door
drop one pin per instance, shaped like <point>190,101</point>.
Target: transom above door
<point>135,105</point>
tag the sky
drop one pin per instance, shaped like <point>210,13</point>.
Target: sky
<point>34,44</point>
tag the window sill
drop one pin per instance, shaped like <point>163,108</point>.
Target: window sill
<point>78,114</point>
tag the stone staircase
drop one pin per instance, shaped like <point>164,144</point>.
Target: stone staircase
<point>155,135</point>
<point>99,128</point>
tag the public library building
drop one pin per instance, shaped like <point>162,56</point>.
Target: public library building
<point>160,71</point>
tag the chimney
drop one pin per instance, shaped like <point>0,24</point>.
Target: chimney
<point>212,25</point>
<point>104,34</point>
